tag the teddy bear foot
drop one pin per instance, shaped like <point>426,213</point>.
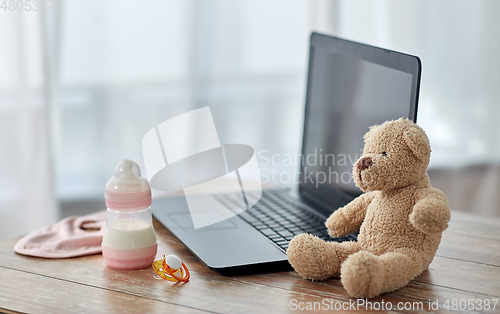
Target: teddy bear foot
<point>313,258</point>
<point>362,275</point>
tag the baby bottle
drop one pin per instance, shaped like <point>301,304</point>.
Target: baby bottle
<point>129,240</point>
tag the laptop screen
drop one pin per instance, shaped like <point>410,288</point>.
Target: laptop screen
<point>348,91</point>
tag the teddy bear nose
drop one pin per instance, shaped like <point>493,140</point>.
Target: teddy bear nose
<point>364,163</point>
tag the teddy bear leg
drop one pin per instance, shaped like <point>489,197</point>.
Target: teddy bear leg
<point>315,259</point>
<point>399,269</point>
<point>362,275</point>
<point>365,275</point>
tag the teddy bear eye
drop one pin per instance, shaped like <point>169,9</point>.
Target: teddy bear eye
<point>384,154</point>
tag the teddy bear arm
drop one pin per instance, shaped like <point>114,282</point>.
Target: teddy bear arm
<point>348,219</point>
<point>431,212</point>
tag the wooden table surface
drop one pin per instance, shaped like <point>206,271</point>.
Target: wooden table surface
<point>466,267</point>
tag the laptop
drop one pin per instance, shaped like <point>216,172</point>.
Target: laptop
<point>350,87</point>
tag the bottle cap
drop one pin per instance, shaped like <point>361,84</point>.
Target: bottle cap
<point>127,190</point>
<point>173,261</point>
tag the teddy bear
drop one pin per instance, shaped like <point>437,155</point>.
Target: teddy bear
<point>400,218</point>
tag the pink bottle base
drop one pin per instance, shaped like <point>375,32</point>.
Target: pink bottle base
<point>129,259</point>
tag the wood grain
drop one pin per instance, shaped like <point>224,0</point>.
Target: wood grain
<point>467,248</point>
<point>30,293</point>
<point>474,226</point>
<point>466,267</point>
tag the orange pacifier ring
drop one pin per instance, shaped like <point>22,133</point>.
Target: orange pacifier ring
<point>171,268</point>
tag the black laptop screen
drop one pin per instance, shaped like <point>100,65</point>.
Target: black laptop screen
<point>346,95</point>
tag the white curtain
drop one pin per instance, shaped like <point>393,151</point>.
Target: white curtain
<point>27,189</point>
<point>459,44</point>
<point>81,84</point>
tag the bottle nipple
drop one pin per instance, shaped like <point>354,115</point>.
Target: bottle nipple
<point>127,169</point>
<point>127,189</point>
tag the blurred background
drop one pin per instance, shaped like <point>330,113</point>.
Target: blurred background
<point>83,81</point>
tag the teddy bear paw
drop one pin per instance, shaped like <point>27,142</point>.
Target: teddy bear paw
<point>424,220</point>
<point>312,258</point>
<point>362,275</point>
<point>336,225</point>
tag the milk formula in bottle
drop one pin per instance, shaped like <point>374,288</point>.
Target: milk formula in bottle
<point>129,240</point>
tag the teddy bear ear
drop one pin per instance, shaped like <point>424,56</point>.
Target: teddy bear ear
<point>418,143</point>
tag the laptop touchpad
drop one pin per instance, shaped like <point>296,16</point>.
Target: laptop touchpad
<point>184,221</point>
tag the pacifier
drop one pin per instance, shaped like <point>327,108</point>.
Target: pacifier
<point>171,268</point>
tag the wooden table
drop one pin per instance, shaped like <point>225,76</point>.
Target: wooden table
<point>466,267</point>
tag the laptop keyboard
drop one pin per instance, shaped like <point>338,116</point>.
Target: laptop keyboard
<point>280,217</point>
